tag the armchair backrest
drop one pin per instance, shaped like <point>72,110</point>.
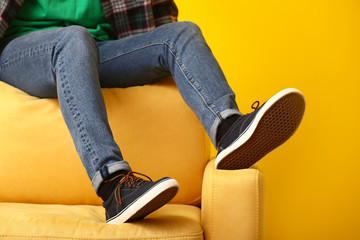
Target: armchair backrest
<point>157,132</point>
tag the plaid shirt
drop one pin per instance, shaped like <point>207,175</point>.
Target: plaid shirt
<point>126,17</point>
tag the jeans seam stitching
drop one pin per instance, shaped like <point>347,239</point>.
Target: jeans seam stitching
<point>75,114</point>
<point>192,83</point>
<point>125,53</point>
<point>27,53</point>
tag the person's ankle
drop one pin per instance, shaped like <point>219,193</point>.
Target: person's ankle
<point>106,188</point>
<point>225,125</point>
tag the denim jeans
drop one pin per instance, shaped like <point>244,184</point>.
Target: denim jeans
<point>69,64</point>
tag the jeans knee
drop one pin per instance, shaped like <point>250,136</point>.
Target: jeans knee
<point>186,29</point>
<point>78,39</point>
<point>75,32</point>
<point>181,34</point>
<point>190,27</point>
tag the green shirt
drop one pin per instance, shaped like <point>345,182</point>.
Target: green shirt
<point>38,15</point>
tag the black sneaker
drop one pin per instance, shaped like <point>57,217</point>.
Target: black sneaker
<point>134,198</point>
<point>256,134</point>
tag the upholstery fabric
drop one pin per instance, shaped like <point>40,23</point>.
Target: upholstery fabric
<point>41,221</point>
<point>232,204</point>
<point>46,194</point>
<point>39,164</point>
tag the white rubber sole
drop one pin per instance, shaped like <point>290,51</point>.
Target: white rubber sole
<point>248,133</point>
<point>153,199</point>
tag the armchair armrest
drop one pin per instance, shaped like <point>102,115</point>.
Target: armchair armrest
<point>232,204</point>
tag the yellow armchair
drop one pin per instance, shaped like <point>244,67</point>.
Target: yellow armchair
<point>46,194</point>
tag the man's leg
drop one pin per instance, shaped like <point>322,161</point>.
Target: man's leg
<point>64,63</point>
<point>179,49</point>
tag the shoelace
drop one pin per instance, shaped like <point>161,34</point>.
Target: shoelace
<point>257,105</point>
<point>130,179</point>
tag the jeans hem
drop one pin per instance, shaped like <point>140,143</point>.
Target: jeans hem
<point>112,167</point>
<point>215,125</point>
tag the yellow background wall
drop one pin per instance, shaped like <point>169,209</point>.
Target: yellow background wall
<point>263,46</point>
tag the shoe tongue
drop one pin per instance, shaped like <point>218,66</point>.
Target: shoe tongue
<point>106,188</point>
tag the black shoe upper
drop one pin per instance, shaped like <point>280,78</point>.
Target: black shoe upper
<point>128,190</point>
<point>238,128</point>
<point>225,125</point>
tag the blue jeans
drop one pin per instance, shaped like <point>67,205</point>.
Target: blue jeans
<point>68,64</point>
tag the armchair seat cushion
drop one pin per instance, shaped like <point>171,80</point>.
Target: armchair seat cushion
<point>86,222</point>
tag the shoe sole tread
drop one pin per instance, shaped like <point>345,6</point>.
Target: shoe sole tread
<point>276,125</point>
